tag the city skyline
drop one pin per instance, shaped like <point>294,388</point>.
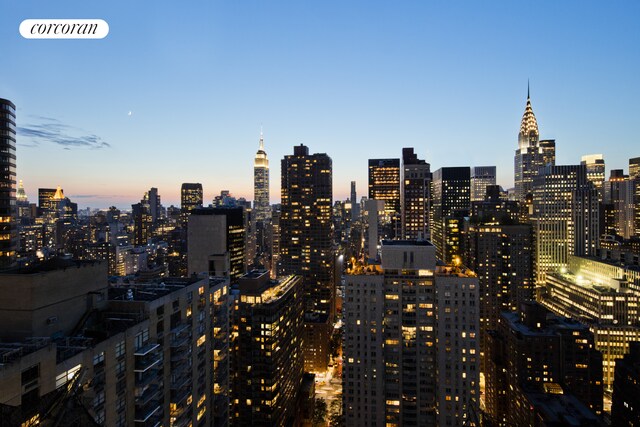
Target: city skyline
<point>353,82</point>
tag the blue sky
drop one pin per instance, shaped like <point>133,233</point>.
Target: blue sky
<point>354,79</point>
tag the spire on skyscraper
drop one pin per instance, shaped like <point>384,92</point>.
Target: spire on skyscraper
<point>261,141</point>
<point>529,124</point>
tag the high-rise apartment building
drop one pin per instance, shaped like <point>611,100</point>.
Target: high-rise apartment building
<point>415,195</point>
<point>384,184</point>
<point>261,204</point>
<point>76,352</point>
<point>8,210</point>
<point>216,242</point>
<point>481,178</point>
<point>565,217</point>
<point>542,367</point>
<point>532,154</point>
<point>410,350</point>
<point>306,237</point>
<point>451,203</point>
<point>191,197</point>
<point>268,350</point>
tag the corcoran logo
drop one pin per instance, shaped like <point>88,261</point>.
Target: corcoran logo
<point>64,29</point>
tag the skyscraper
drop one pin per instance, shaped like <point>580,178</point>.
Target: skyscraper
<point>481,177</point>
<point>190,198</point>
<point>155,206</point>
<point>415,195</point>
<point>634,176</point>
<point>565,217</point>
<point>261,205</point>
<point>500,252</point>
<point>306,237</point>
<point>8,229</point>
<point>384,184</point>
<point>531,154</point>
<point>634,168</point>
<point>451,203</point>
<point>268,350</point>
<point>411,349</point>
<point>355,207</point>
<point>595,171</point>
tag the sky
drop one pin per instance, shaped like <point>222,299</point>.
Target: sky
<point>178,91</point>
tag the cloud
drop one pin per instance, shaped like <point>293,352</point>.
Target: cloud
<point>50,130</point>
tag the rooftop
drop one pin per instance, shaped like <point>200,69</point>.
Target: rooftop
<point>53,264</point>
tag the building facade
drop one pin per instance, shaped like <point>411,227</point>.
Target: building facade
<point>261,204</point>
<point>8,209</point>
<point>306,245</point>
<point>451,203</point>
<point>411,350</point>
<point>481,178</point>
<point>415,196</point>
<point>269,350</point>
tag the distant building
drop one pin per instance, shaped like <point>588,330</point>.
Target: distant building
<point>565,217</point>
<point>261,204</point>
<point>384,184</point>
<point>190,198</point>
<point>595,171</point>
<point>373,220</point>
<point>451,204</point>
<point>415,196</point>
<point>481,177</point>
<point>8,210</point>
<point>355,207</point>
<point>411,349</point>
<point>620,193</point>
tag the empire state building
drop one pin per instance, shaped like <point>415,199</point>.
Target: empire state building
<point>261,204</point>
<point>532,154</point>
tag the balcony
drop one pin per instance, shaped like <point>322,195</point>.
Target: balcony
<point>147,394</point>
<point>179,355</point>
<point>181,382</point>
<point>146,412</point>
<point>144,379</point>
<point>180,341</point>
<point>180,328</point>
